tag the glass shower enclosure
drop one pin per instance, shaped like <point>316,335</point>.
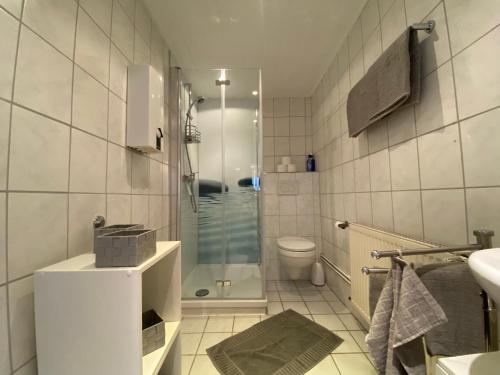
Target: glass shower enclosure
<point>220,165</point>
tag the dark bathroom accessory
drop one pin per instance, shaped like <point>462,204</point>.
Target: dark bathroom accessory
<point>311,163</point>
<point>126,248</point>
<point>153,332</point>
<point>100,231</point>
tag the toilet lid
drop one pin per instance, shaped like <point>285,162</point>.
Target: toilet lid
<point>295,244</point>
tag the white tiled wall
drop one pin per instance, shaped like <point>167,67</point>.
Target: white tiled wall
<point>429,171</point>
<point>62,144</point>
<point>291,208</point>
<point>287,131</point>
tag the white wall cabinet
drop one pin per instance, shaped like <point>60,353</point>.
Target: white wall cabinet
<point>89,320</point>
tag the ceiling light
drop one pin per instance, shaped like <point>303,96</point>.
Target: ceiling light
<point>255,93</point>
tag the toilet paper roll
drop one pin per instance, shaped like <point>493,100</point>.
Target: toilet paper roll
<point>286,160</point>
<point>292,168</point>
<point>341,224</point>
<point>282,168</point>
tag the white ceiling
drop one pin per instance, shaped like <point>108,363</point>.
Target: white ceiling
<point>293,41</point>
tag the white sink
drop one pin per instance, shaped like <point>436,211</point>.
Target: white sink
<point>485,266</point>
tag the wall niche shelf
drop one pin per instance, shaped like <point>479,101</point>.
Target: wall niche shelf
<point>89,320</point>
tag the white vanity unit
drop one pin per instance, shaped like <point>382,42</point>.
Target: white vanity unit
<point>471,364</point>
<point>89,320</point>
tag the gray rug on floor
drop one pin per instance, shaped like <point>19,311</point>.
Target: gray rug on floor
<point>285,344</point>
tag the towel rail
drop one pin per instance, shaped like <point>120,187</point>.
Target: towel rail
<point>428,26</point>
<point>369,271</point>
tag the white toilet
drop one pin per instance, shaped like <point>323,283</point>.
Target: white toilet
<point>296,255</point>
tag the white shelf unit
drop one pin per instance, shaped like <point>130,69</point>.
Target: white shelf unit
<point>89,320</point>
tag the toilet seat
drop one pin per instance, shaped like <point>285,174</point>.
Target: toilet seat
<point>295,244</point>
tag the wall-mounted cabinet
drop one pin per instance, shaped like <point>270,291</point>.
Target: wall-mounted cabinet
<point>145,109</point>
<point>89,320</point>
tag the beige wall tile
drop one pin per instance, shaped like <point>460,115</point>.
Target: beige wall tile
<point>9,27</point>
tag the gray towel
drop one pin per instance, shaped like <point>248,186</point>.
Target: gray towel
<point>455,289</point>
<point>376,283</point>
<point>405,312</point>
<point>392,82</point>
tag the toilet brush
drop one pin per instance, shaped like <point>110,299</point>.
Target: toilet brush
<point>317,273</point>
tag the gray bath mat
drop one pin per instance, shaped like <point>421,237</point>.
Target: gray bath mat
<point>286,344</point>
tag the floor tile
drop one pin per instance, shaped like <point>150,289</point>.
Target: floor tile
<point>325,367</point>
<point>339,307</point>
<point>244,322</point>
<point>273,296</point>
<point>299,307</point>
<point>311,295</point>
<point>187,361</point>
<point>202,365</point>
<point>211,339</point>
<point>353,364</point>
<point>285,285</point>
<point>319,308</point>
<point>190,342</point>
<point>274,308</point>
<point>328,295</point>
<point>304,285</point>
<point>359,337</point>
<point>194,324</point>
<point>271,286</point>
<point>350,322</point>
<point>290,295</point>
<point>348,345</point>
<point>331,322</point>
<point>220,324</point>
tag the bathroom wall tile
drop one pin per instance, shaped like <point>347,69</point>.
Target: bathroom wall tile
<point>268,127</point>
<point>165,213</point>
<point>393,23</point>
<point>100,11</point>
<point>117,120</point>
<point>297,107</point>
<point>444,216</point>
<point>281,107</point>
<point>288,205</point>
<point>404,166</point>
<point>369,19</point>
<point>343,58</point>
<point>268,146</point>
<point>4,142</point>
<point>267,107</point>
<point>142,53</point>
<point>305,182</point>
<point>9,27</point>
<point>122,31</point>
<point>305,204</point>
<point>480,140</point>
<point>305,225</point>
<point>54,20</point>
<point>347,149</point>
<point>356,68</point>
<point>384,6</point>
<point>129,8</point>
<point>140,209</point>
<point>282,127</point>
<point>271,204</point>
<point>349,207</point>
<point>92,48</point>
<point>288,226</point>
<point>440,159</point>
<point>362,174</point>
<point>348,180</point>
<point>373,48</point>
<point>297,126</point>
<point>22,321</point>
<point>470,20</point>
<point>271,226</point>
<point>377,136</point>
<point>338,184</point>
<point>24,224</point>
<point>270,183</point>
<point>382,210</point>
<point>118,73</point>
<point>119,209</point>
<point>417,10</point>
<point>268,164</point>
<point>483,211</point>
<point>478,88</point>
<point>437,106</point>
<point>143,21</point>
<point>155,211</point>
<point>43,77</point>
<point>87,169</point>
<point>282,146</point>
<point>28,369</point>
<point>83,208</point>
<point>39,153</point>
<point>360,145</point>
<point>401,125</point>
<point>119,170</point>
<point>364,208</point>
<point>13,6</point>
<point>140,174</point>
<point>344,85</point>
<point>297,145</point>
<point>3,249</point>
<point>355,39</point>
<point>155,177</point>
<point>407,213</point>
<point>4,333</point>
<point>90,109</point>
<point>435,47</point>
<point>380,176</point>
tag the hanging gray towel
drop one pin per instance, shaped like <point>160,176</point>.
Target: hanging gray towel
<point>458,293</point>
<point>405,312</point>
<point>392,82</point>
<point>376,283</point>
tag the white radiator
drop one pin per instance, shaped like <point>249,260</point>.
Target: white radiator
<point>362,240</point>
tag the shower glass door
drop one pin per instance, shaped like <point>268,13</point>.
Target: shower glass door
<point>226,260</point>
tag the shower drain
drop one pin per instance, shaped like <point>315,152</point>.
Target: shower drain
<point>202,292</point>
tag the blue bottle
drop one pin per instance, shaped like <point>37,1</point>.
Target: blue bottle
<point>311,163</point>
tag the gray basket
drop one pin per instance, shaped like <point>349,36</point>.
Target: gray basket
<point>127,248</point>
<point>114,228</point>
<point>153,332</point>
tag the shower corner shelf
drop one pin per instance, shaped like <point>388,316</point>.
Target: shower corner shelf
<point>89,320</point>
